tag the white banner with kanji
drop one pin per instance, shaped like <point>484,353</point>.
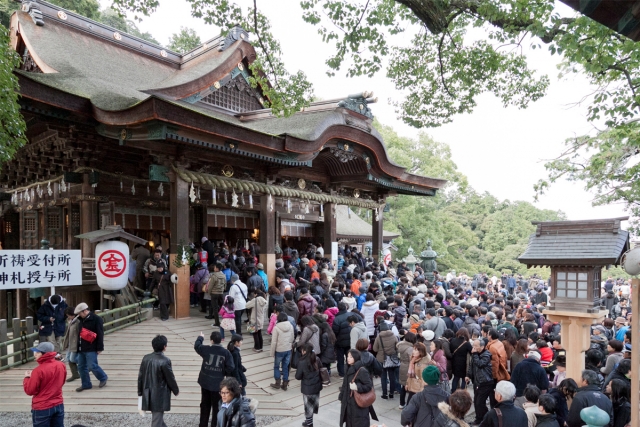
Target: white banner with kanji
<point>23,269</point>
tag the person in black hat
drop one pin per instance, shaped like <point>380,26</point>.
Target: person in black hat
<point>52,321</point>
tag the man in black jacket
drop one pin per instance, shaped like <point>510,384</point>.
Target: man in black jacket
<point>217,363</point>
<point>504,409</point>
<point>342,331</point>
<point>529,371</point>
<point>588,394</point>
<point>480,374</point>
<point>90,345</point>
<point>156,382</point>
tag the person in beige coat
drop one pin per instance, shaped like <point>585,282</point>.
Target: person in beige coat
<point>282,337</point>
<point>405,351</point>
<point>383,346</point>
<point>258,306</point>
<point>70,342</point>
<point>419,361</point>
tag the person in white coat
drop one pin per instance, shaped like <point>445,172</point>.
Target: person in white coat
<point>258,306</point>
<point>238,291</point>
<point>369,309</point>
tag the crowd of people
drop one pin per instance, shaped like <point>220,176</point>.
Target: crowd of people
<point>428,337</point>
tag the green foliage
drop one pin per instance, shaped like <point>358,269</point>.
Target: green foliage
<point>184,41</point>
<point>88,8</point>
<point>7,7</point>
<point>471,232</point>
<point>12,126</point>
<point>286,93</point>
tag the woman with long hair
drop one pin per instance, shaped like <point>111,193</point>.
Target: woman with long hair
<point>564,395</point>
<point>460,349</point>
<point>327,345</point>
<point>405,351</point>
<point>308,373</point>
<point>310,334</point>
<point>620,396</point>
<point>510,341</point>
<point>420,359</point>
<point>238,370</point>
<point>275,298</point>
<point>519,352</point>
<point>356,379</point>
<point>437,355</point>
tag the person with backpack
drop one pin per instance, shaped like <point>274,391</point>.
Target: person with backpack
<point>197,282</point>
<point>228,314</point>
<point>308,373</point>
<point>215,289</point>
<point>385,348</point>
<point>422,410</point>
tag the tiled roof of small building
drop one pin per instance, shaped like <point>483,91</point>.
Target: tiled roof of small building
<point>591,242</point>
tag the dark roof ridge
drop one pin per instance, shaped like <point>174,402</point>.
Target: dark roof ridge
<point>126,40</point>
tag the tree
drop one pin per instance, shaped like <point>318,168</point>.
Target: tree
<point>184,41</point>
<point>12,126</point>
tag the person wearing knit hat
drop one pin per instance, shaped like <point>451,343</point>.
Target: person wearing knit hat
<point>431,375</point>
<point>418,411</point>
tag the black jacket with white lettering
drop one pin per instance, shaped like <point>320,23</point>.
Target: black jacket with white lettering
<point>217,363</point>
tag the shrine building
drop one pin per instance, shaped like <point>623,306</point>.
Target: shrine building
<point>175,147</point>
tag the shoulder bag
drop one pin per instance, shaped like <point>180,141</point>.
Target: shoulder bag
<point>392,361</point>
<point>88,335</point>
<point>363,400</point>
<point>324,373</point>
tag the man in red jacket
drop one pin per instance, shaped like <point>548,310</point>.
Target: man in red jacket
<point>45,385</point>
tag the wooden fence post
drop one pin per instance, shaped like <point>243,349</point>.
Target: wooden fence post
<point>3,338</point>
<point>29,325</point>
<point>17,334</point>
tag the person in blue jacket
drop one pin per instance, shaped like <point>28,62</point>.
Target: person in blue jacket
<point>52,321</point>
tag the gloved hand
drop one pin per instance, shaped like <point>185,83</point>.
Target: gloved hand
<point>353,386</point>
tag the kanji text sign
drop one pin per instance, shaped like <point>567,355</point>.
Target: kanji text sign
<point>23,269</point>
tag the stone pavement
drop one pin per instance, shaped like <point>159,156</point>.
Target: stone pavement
<point>121,359</point>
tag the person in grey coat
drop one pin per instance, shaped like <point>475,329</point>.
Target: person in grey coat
<point>156,382</point>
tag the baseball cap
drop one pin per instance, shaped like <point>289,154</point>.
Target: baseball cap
<point>260,266</point>
<point>43,347</point>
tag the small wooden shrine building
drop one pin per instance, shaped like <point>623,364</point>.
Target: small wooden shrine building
<point>175,147</point>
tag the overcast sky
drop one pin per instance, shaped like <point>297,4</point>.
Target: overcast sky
<point>501,150</point>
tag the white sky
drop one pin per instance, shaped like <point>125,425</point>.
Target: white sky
<point>501,150</point>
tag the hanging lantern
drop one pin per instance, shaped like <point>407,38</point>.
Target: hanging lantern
<point>112,265</point>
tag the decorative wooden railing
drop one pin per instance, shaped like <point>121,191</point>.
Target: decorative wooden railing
<point>24,338</point>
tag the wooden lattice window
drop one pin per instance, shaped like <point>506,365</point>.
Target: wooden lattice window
<point>8,227</point>
<point>53,221</point>
<point>30,224</point>
<point>237,95</point>
<point>572,284</point>
<point>75,219</point>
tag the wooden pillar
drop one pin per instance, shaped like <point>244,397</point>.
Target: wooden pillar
<point>576,336</point>
<point>268,240</point>
<point>330,233</point>
<point>88,218</point>
<point>179,201</point>
<point>635,352</point>
<point>376,243</point>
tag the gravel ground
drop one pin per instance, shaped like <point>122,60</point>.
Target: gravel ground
<point>23,419</point>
